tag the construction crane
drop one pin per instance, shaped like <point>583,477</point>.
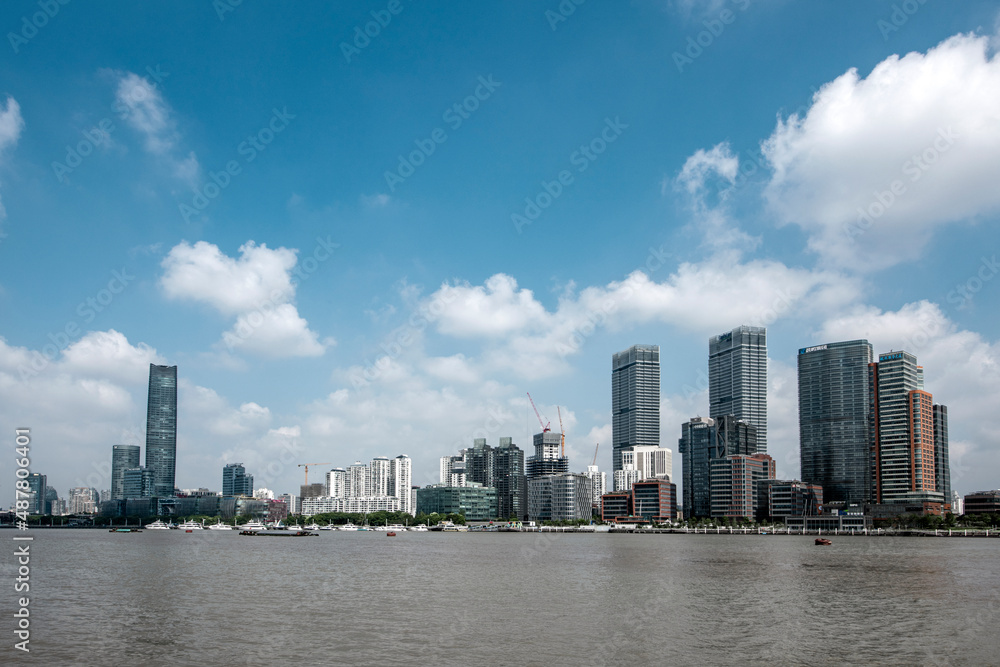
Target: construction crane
<point>545,426</point>
<point>562,430</point>
<point>306,466</point>
<point>595,454</point>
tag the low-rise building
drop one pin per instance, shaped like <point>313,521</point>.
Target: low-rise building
<point>562,497</point>
<point>982,502</point>
<point>786,497</point>
<point>474,501</point>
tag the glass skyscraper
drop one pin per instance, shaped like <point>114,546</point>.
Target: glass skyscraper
<point>737,377</point>
<point>833,419</point>
<point>161,428</point>
<point>236,481</point>
<point>635,399</point>
<point>704,440</point>
<point>123,457</point>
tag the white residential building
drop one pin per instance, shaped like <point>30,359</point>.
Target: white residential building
<point>652,462</point>
<point>598,483</point>
<point>336,483</point>
<point>351,505</point>
<point>626,477</point>
<point>400,473</point>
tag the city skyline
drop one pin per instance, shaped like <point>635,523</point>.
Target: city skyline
<point>342,253</point>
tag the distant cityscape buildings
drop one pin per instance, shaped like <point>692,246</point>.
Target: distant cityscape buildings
<point>380,486</point>
<point>123,457</point>
<point>236,481</point>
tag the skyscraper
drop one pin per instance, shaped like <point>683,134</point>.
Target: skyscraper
<point>137,483</point>
<point>236,481</point>
<point>833,419</point>
<point>123,457</point>
<point>737,377</point>
<point>400,472</point>
<point>161,428</point>
<point>36,487</point>
<point>942,466</point>
<point>635,399</point>
<point>510,481</point>
<point>901,425</point>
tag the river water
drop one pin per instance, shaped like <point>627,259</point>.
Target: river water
<point>218,598</point>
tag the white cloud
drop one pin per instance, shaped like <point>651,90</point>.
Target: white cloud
<point>928,123</point>
<point>108,354</point>
<point>702,165</point>
<point>521,337</point>
<point>11,124</point>
<point>257,288</point>
<point>145,110</point>
<point>204,273</point>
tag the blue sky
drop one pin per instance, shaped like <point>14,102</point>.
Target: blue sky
<point>326,304</point>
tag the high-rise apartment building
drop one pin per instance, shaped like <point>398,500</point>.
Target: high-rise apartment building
<point>161,428</point>
<point>236,481</point>
<point>901,427</point>
<point>624,479</point>
<point>833,419</point>
<point>737,377</point>
<point>123,457</point>
<point>510,481</point>
<point>37,483</point>
<point>453,470</point>
<point>336,483</point>
<point>359,480</point>
<point>598,483</point>
<point>635,399</point>
<point>705,440</point>
<point>379,485</point>
<point>400,473</point>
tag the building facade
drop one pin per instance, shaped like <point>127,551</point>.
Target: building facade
<point>236,481</point>
<point>139,483</point>
<point>792,498</point>
<point>510,481</point>
<point>635,400</point>
<point>703,441</point>
<point>161,428</point>
<point>624,479</point>
<point>651,462</point>
<point>560,497</point>
<point>982,502</point>
<point>598,484</point>
<point>737,378</point>
<point>901,435</point>
<point>655,500</point>
<point>123,457</point>
<point>474,502</point>
<point>735,490</point>
<point>942,461</point>
<point>547,459</point>
<point>833,419</point>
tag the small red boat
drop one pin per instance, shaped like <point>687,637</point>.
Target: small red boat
<point>390,534</point>
<point>822,541</point>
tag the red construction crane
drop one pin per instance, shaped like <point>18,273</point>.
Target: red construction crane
<point>545,425</point>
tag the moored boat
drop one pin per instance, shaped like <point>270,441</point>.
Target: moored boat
<point>822,541</point>
<point>158,525</point>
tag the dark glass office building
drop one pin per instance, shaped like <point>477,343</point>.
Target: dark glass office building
<point>161,428</point>
<point>635,399</point>
<point>702,441</point>
<point>123,457</point>
<point>833,419</point>
<point>737,378</point>
<point>942,467</point>
<point>236,481</point>
<point>510,481</point>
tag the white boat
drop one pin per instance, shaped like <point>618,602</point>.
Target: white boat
<point>295,528</point>
<point>396,528</point>
<point>348,526</point>
<point>253,525</point>
<point>158,525</point>
<point>220,526</point>
<point>312,526</point>
<point>326,527</point>
<point>419,528</point>
<point>190,525</point>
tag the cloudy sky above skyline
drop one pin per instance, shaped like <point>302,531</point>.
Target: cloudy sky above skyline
<point>370,244</point>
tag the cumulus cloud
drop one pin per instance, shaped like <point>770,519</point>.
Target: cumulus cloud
<point>144,108</point>
<point>878,164</point>
<point>108,354</point>
<point>257,288</point>
<point>522,337</point>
